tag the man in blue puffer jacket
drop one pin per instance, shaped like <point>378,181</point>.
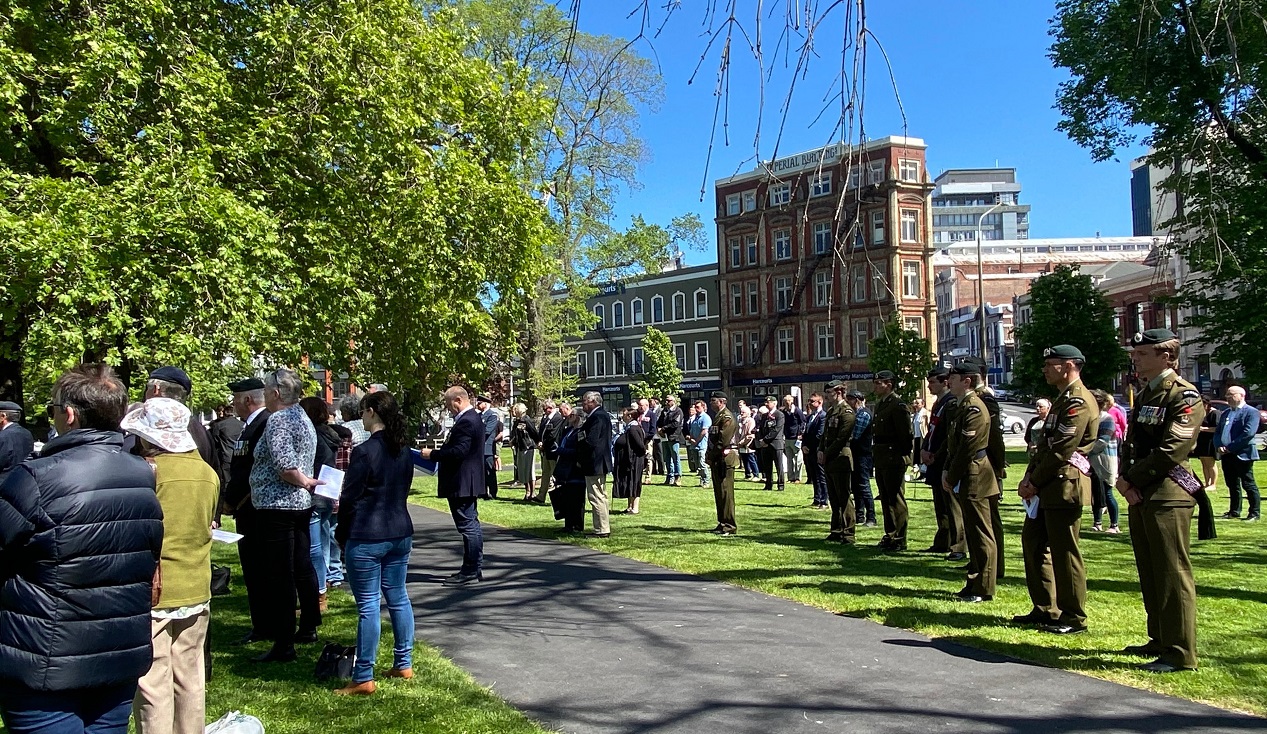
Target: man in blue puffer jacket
<point>80,535</point>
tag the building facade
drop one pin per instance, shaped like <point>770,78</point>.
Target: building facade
<point>963,195</point>
<point>816,251</point>
<point>681,301</point>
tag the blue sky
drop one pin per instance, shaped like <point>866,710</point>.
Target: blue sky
<point>974,80</point>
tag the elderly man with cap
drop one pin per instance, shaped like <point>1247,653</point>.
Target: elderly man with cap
<point>970,479</point>
<point>892,436</point>
<point>1059,480</point>
<point>835,459</point>
<point>235,497</point>
<point>771,441</point>
<point>723,458</point>
<point>950,535</point>
<point>1159,487</point>
<point>493,428</point>
<point>16,443</point>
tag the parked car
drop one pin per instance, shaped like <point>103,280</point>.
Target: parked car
<point>1010,423</point>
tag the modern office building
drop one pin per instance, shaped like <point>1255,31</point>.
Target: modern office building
<point>963,195</point>
<point>680,301</point>
<point>1151,208</point>
<point>816,251</point>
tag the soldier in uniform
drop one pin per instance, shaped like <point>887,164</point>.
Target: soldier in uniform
<point>837,461</point>
<point>1159,489</point>
<point>893,439</point>
<point>971,479</point>
<point>723,459</point>
<point>950,536</point>
<point>998,452</point>
<point>1059,480</point>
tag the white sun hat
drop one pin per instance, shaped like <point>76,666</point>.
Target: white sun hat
<point>163,422</point>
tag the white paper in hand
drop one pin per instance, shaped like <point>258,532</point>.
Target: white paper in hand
<point>1031,507</point>
<point>224,536</point>
<point>333,486</point>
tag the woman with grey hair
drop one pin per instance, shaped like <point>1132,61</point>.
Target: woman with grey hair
<point>281,491</point>
<point>523,439</point>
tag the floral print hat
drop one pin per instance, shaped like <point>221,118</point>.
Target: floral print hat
<point>163,422</point>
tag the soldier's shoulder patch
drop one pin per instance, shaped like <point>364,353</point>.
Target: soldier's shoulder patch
<point>1191,394</point>
<point>1074,400</point>
<point>1179,430</point>
<point>972,409</point>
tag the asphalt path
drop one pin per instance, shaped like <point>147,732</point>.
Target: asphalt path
<point>587,642</point>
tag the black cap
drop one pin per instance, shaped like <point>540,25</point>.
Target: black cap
<point>855,394</point>
<point>1063,351</point>
<point>174,375</point>
<point>247,385</point>
<point>885,375</point>
<point>720,395</point>
<point>965,367</point>
<point>483,399</point>
<point>1153,336</point>
<point>938,371</point>
<point>6,405</point>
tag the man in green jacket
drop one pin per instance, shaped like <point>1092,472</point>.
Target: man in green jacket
<point>836,458</point>
<point>970,477</point>
<point>893,439</point>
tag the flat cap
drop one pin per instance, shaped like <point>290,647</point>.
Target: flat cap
<point>885,375</point>
<point>174,375</point>
<point>965,367</point>
<point>1153,336</point>
<point>938,371</point>
<point>6,405</point>
<point>1063,351</point>
<point>719,394</point>
<point>247,385</point>
<point>483,399</point>
<point>855,394</point>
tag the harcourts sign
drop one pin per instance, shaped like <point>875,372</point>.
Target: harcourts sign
<point>825,156</point>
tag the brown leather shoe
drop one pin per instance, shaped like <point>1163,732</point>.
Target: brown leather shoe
<point>405,673</point>
<point>356,689</point>
<point>322,605</point>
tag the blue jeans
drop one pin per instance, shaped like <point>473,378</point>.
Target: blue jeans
<point>466,517</point>
<point>85,711</point>
<point>321,545</point>
<point>376,569</point>
<point>672,461</point>
<point>695,459</point>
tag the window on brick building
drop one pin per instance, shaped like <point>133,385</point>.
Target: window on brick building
<point>783,244</point>
<point>750,243</point>
<point>822,237</point>
<point>825,339</point>
<point>875,172</point>
<point>780,194</point>
<point>754,302</point>
<point>782,294</point>
<point>877,227</point>
<point>820,184</point>
<point>736,299</point>
<point>908,169</point>
<point>822,287</point>
<point>749,201</point>
<point>786,344</point>
<point>737,347</point>
<point>859,283</point>
<point>679,351</point>
<point>910,279</point>
<point>860,338</point>
<point>736,252</point>
<point>635,307</point>
<point>618,314</point>
<point>732,205</point>
<point>910,225</point>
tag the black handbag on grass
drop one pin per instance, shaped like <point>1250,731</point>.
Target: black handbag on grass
<point>336,661</point>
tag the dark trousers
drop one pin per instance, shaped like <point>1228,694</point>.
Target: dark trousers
<point>1239,474</point>
<point>286,573</point>
<point>890,480</point>
<point>724,495</point>
<point>983,545</point>
<point>657,457</point>
<point>1205,519</point>
<point>863,503</point>
<point>817,477</point>
<point>83,711</point>
<point>1160,539</point>
<point>950,535</point>
<point>770,460</point>
<point>490,475</point>
<point>1054,571</point>
<point>568,501</point>
<point>247,524</point>
<point>466,517</point>
<point>996,527</point>
<point>1102,498</point>
<point>839,473</point>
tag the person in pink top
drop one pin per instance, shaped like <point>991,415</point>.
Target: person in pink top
<point>1119,419</point>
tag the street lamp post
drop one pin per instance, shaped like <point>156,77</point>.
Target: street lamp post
<point>981,284</point>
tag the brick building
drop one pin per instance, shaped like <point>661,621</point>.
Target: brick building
<point>815,251</point>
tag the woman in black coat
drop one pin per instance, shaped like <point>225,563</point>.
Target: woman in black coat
<point>630,454</point>
<point>568,497</point>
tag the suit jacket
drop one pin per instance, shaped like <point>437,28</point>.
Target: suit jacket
<point>237,491</point>
<point>669,424</point>
<point>16,445</point>
<point>770,429</point>
<point>491,422</point>
<point>793,423</point>
<point>595,436</point>
<point>939,427</point>
<point>1240,424</point>
<point>224,435</point>
<point>813,434</point>
<point>461,458</point>
<point>550,429</point>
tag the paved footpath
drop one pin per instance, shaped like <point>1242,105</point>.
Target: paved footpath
<point>583,642</point>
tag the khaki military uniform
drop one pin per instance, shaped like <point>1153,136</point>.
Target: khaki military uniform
<point>998,459</point>
<point>1059,470</point>
<point>723,458</point>
<point>950,534</point>
<point>893,439</point>
<point>975,485</point>
<point>1162,432</point>
<point>837,431</point>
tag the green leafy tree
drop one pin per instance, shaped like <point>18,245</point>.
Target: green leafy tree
<point>660,372</point>
<point>903,352</point>
<point>1068,309</point>
<point>1187,77</point>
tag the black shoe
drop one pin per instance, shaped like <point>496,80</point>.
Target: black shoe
<point>966,567</point>
<point>781,489</point>
<point>1161,666</point>
<point>1034,617</point>
<point>276,655</point>
<point>933,549</point>
<point>1147,650</point>
<point>885,542</point>
<point>974,598</point>
<point>1064,629</point>
<point>834,537</point>
<point>462,579</point>
<point>1230,515</point>
<point>956,556</point>
<point>717,529</point>
<point>894,548</point>
<point>728,533</point>
<point>251,636</point>
<point>598,535</point>
<point>306,638</point>
<point>1250,518</point>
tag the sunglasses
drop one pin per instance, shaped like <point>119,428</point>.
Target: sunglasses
<point>49,410</point>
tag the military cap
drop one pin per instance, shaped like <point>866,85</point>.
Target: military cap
<point>885,375</point>
<point>720,395</point>
<point>977,363</point>
<point>174,375</point>
<point>771,399</point>
<point>1063,351</point>
<point>5,405</point>
<point>965,367</point>
<point>1153,336</point>
<point>855,394</point>
<point>834,385</point>
<point>483,399</point>
<point>247,385</point>
<point>938,371</point>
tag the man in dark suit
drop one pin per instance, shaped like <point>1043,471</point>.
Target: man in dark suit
<point>595,459</point>
<point>235,495</point>
<point>225,431</point>
<point>492,440</point>
<point>548,429</point>
<point>770,434</point>
<point>16,443</point>
<point>812,438</point>
<point>461,479</point>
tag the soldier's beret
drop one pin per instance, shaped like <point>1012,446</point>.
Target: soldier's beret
<point>975,362</point>
<point>1063,351</point>
<point>173,375</point>
<point>885,375</point>
<point>771,399</point>
<point>855,394</point>
<point>483,399</point>
<point>965,367</point>
<point>8,406</point>
<point>1153,336</point>
<point>938,371</point>
<point>720,395</point>
<point>247,385</point>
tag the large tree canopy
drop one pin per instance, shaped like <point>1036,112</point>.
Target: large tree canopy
<point>1188,78</point>
<point>217,186</point>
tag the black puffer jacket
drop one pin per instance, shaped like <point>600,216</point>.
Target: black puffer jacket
<point>80,533</point>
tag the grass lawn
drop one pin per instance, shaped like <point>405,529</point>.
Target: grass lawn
<point>780,551</point>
